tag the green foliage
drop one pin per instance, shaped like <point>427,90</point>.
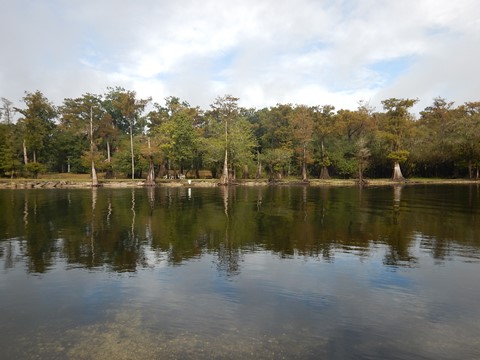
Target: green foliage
<point>10,164</point>
<point>66,150</point>
<point>397,122</point>
<point>276,161</point>
<point>345,166</point>
<point>231,134</point>
<point>35,168</point>
<point>98,159</point>
<point>396,128</point>
<point>177,138</point>
<point>275,128</point>
<point>121,160</point>
<point>284,139</point>
<point>125,109</point>
<point>242,143</point>
<point>399,156</point>
<point>37,123</point>
<point>466,140</point>
<point>212,149</point>
<point>302,125</point>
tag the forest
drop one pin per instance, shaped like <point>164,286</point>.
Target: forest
<point>120,135</point>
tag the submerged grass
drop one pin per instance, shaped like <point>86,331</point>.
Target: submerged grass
<point>130,336</point>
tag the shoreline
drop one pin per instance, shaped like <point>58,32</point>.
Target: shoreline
<point>209,183</point>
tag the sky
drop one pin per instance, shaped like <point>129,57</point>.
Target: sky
<point>265,52</point>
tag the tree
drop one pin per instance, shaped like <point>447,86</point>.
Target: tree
<point>274,131</point>
<point>353,124</point>
<point>225,111</point>
<point>466,141</point>
<point>37,123</point>
<point>162,113</point>
<point>177,138</point>
<point>67,151</point>
<point>241,147</point>
<point>126,110</point>
<point>82,116</point>
<point>395,128</point>
<point>174,128</point>
<point>107,135</point>
<point>352,131</point>
<point>432,148</point>
<point>362,155</point>
<point>7,111</point>
<point>227,141</point>
<point>276,160</point>
<point>149,155</point>
<point>9,162</point>
<point>324,125</point>
<point>302,125</point>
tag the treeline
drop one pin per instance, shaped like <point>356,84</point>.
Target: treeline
<point>122,135</point>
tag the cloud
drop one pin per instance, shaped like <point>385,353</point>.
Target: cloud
<point>268,52</point>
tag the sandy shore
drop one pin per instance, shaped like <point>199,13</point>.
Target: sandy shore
<point>52,183</point>
<point>59,184</point>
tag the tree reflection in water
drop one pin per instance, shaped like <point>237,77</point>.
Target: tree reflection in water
<point>124,230</point>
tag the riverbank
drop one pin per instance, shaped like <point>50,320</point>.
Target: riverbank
<point>124,183</point>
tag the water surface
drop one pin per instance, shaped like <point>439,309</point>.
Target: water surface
<point>268,272</point>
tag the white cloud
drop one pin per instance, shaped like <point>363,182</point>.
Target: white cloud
<point>264,52</point>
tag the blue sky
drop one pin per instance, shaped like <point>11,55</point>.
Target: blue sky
<point>312,52</point>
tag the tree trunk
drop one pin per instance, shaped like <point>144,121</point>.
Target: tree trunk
<point>324,173</point>
<point>163,170</point>
<point>25,155</point>
<point>361,181</point>
<point>397,172</point>
<point>151,173</point>
<point>470,169</point>
<point>34,156</point>
<point>246,173</point>
<point>151,170</point>
<point>258,174</point>
<point>108,151</point>
<point>271,176</point>
<point>131,151</point>
<point>94,175</point>
<point>109,171</point>
<point>94,172</point>
<point>224,177</point>
<point>304,165</point>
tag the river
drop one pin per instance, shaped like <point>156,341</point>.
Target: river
<point>233,273</point>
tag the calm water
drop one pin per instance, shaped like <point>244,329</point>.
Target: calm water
<point>270,273</point>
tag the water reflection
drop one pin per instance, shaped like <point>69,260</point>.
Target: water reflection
<point>280,272</point>
<point>92,226</point>
<point>397,197</point>
<point>129,229</point>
